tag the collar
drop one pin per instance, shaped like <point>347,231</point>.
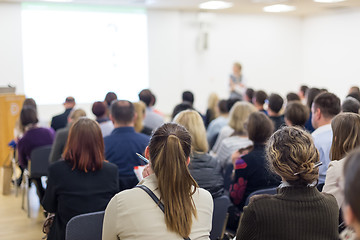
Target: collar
<point>322,129</point>
<point>120,130</point>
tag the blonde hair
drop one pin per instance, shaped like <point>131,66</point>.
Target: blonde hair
<point>76,114</point>
<point>193,122</point>
<point>291,150</point>
<point>169,150</point>
<point>239,114</point>
<point>212,104</point>
<point>140,109</point>
<point>346,134</point>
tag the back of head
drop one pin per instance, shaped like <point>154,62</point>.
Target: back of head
<point>296,113</point>
<point>140,109</point>
<point>346,134</point>
<point>328,103</point>
<point>193,122</point>
<point>28,115</point>
<point>354,89</point>
<point>146,96</point>
<point>110,97</point>
<point>355,95</point>
<point>222,105</point>
<point>259,127</point>
<point>122,112</point>
<point>30,102</point>
<point>292,97</point>
<point>310,95</point>
<point>239,114</point>
<point>231,102</point>
<point>213,101</point>
<point>291,150</point>
<point>181,107</point>
<point>78,113</point>
<point>69,102</point>
<point>169,150</point>
<point>84,149</point>
<point>260,97</point>
<point>352,183</point>
<point>350,104</point>
<point>99,109</point>
<point>303,89</point>
<point>249,94</point>
<point>275,102</point>
<point>188,96</point>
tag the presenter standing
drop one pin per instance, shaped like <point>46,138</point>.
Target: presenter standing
<point>236,82</point>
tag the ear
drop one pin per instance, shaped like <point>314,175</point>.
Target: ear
<point>111,118</point>
<point>147,155</point>
<point>135,117</point>
<point>188,161</point>
<point>318,113</point>
<point>348,215</point>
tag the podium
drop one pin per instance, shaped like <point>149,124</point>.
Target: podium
<point>10,107</point>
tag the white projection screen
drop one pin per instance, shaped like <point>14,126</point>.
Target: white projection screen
<point>83,51</point>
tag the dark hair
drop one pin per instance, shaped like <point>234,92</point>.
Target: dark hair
<point>169,149</point>
<point>355,95</point>
<point>181,107</point>
<point>297,113</point>
<point>354,89</point>
<point>250,94</point>
<point>275,102</point>
<point>28,115</point>
<point>350,104</point>
<point>291,150</point>
<point>222,105</point>
<point>230,103</point>
<point>352,182</point>
<point>84,149</point>
<point>146,96</point>
<point>310,95</point>
<point>70,100</point>
<point>99,109</point>
<point>30,102</point>
<point>110,97</point>
<point>328,103</point>
<point>291,96</point>
<point>260,97</point>
<point>259,127</point>
<point>303,89</point>
<point>122,111</point>
<point>188,96</point>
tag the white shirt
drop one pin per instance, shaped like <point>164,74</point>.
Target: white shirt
<point>225,132</point>
<point>152,120</point>
<point>323,139</point>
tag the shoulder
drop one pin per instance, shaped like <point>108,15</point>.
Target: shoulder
<point>202,196</point>
<point>108,166</point>
<point>59,167</point>
<point>143,137</point>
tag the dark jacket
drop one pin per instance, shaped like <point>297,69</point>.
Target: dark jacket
<point>73,192</point>
<point>58,146</point>
<point>60,121</point>
<point>207,173</point>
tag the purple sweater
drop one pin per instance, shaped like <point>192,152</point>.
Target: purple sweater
<point>32,139</point>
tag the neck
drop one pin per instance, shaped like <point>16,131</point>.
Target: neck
<point>323,122</point>
<point>118,125</point>
<point>272,114</point>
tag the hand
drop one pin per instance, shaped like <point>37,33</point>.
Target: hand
<point>147,171</point>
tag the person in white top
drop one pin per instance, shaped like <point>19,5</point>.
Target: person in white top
<point>324,108</point>
<point>346,137</point>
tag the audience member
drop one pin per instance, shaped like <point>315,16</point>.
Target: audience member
<point>353,89</point>
<point>324,108</point>
<point>346,137</point>
<point>99,109</point>
<point>274,110</point>
<point>350,104</point>
<point>239,115</point>
<point>249,95</point>
<point>203,167</point>
<point>34,137</point>
<point>61,136</point>
<point>109,98</point>
<point>296,114</point>
<point>236,82</point>
<point>310,96</point>
<point>187,103</point>
<point>211,112</point>
<point>123,143</point>
<point>251,172</point>
<point>152,119</point>
<point>140,109</point>
<point>292,97</point>
<point>218,123</point>
<point>84,182</point>
<point>259,100</point>
<point>299,211</point>
<point>60,121</point>
<point>352,191</point>
<point>355,95</point>
<point>187,209</point>
<point>302,93</point>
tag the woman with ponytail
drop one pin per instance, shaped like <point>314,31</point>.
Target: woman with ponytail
<point>187,209</point>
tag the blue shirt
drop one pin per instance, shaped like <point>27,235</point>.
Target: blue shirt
<point>121,147</point>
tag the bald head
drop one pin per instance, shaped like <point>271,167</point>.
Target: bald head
<point>122,112</point>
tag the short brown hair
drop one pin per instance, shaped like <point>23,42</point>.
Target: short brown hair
<point>259,127</point>
<point>291,150</point>
<point>328,103</point>
<point>84,149</point>
<point>260,97</point>
<point>122,111</point>
<point>28,115</point>
<point>99,109</point>
<point>297,113</point>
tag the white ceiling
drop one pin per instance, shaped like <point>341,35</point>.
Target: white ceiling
<point>303,7</point>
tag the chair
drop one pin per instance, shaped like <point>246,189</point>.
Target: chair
<point>38,167</point>
<point>271,191</point>
<point>228,170</point>
<point>85,226</point>
<point>221,205</point>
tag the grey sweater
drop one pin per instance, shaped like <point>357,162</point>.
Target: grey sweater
<point>296,213</point>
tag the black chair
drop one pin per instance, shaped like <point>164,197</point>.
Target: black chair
<point>228,176</point>
<point>38,166</point>
<point>271,191</point>
<point>221,205</point>
<point>85,226</point>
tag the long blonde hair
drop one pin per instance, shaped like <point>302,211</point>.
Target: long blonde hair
<point>140,109</point>
<point>193,122</point>
<point>239,114</point>
<point>169,150</point>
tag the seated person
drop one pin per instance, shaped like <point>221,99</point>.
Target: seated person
<point>140,109</point>
<point>299,211</point>
<point>152,119</point>
<point>99,109</point>
<point>296,114</point>
<point>215,126</point>
<point>274,110</point>
<point>187,209</point>
<point>211,111</point>
<point>60,121</point>
<point>291,96</point>
<point>350,104</point>
<point>259,100</point>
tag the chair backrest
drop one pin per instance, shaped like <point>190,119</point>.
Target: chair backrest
<point>221,205</point>
<point>40,161</point>
<point>228,170</point>
<point>271,191</point>
<point>85,226</point>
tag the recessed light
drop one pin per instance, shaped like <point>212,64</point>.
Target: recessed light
<point>279,8</point>
<point>215,5</point>
<point>329,1</point>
